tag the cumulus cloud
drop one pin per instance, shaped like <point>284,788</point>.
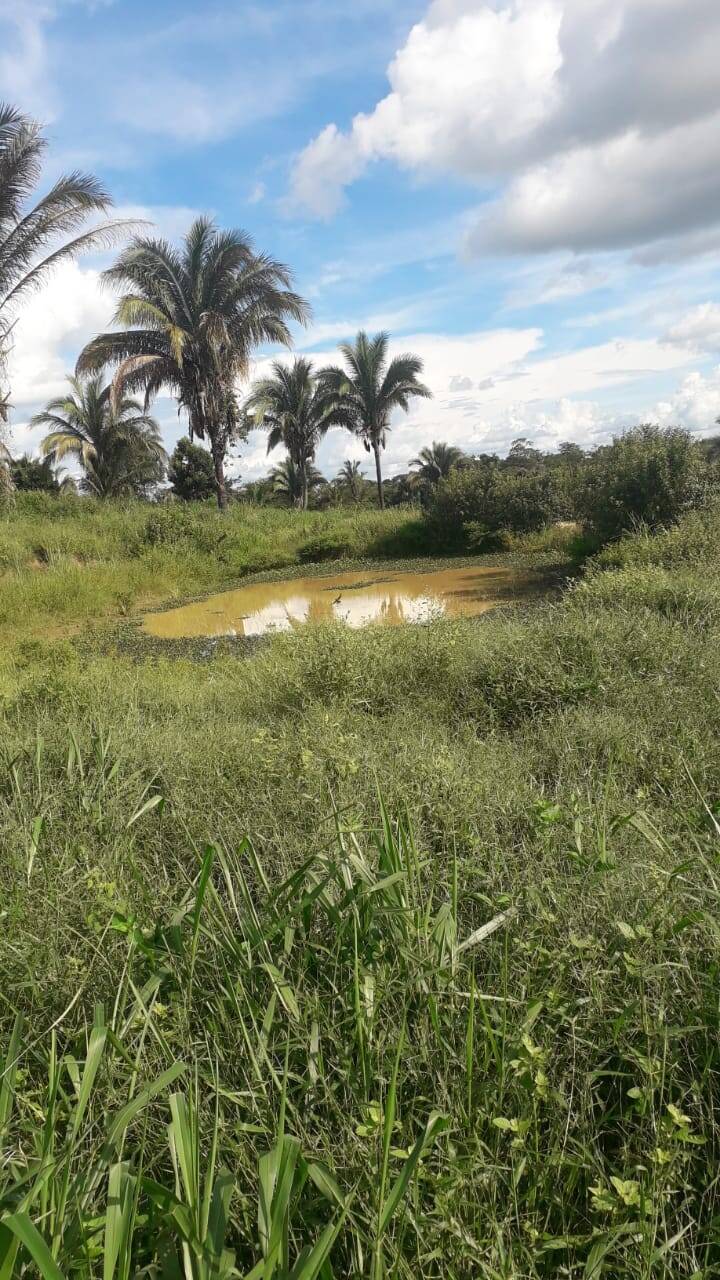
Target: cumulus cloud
<point>327,165</point>
<point>695,404</point>
<point>468,87</point>
<point>698,329</point>
<point>51,328</point>
<point>612,195</point>
<point>596,122</point>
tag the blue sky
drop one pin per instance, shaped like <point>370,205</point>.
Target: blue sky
<point>526,192</point>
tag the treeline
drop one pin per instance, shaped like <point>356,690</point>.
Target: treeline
<point>649,476</point>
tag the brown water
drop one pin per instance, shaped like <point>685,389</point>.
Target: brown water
<point>354,598</point>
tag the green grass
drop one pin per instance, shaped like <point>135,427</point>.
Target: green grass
<point>387,953</point>
<point>67,561</point>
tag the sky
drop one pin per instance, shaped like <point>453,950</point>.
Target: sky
<point>524,192</point>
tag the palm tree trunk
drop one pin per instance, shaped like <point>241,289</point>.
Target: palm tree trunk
<point>304,484</point>
<point>378,473</point>
<point>218,457</point>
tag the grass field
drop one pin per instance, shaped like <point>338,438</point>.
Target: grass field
<point>379,954</point>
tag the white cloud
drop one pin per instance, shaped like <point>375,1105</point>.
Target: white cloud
<point>598,119</point>
<point>327,165</point>
<point>698,329</point>
<point>185,110</point>
<point>695,404</point>
<point>630,189</point>
<point>50,330</point>
<point>467,87</point>
<point>320,332</point>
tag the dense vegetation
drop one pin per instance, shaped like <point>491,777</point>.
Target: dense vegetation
<point>381,953</point>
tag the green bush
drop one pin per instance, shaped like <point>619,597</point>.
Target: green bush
<point>648,476</point>
<point>479,538</point>
<point>695,540</point>
<point>199,524</point>
<point>34,475</point>
<point>323,546</point>
<point>484,500</point>
<point>413,538</point>
<point>191,472</point>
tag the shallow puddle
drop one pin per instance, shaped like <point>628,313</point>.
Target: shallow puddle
<point>356,599</point>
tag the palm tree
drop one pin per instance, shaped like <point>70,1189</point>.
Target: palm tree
<point>117,444</point>
<point>32,239</point>
<point>436,461</point>
<point>350,478</point>
<point>296,412</point>
<point>192,319</point>
<point>290,482</point>
<point>370,388</point>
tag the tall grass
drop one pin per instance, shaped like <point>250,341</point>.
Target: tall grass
<point>64,561</point>
<point>382,954</point>
<point>328,1075</point>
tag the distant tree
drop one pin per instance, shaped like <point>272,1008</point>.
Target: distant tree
<point>295,409</point>
<point>117,445</point>
<point>289,482</point>
<point>257,491</point>
<point>401,489</point>
<point>351,479</point>
<point>523,456</point>
<point>650,475</point>
<point>370,388</point>
<point>710,447</point>
<point>192,319</point>
<point>436,461</point>
<point>570,454</point>
<point>34,474</point>
<point>191,471</point>
<point>490,461</point>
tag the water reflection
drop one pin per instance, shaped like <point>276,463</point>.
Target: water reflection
<point>389,598</point>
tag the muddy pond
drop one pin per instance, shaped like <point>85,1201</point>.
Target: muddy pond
<point>357,599</point>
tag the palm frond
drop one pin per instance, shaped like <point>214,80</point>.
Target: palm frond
<point>118,446</point>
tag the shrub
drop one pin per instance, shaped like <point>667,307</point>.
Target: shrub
<point>479,538</point>
<point>199,525</point>
<point>476,503</point>
<point>323,547</point>
<point>648,476</point>
<point>694,541</point>
<point>191,471</point>
<point>34,475</point>
<point>413,538</point>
